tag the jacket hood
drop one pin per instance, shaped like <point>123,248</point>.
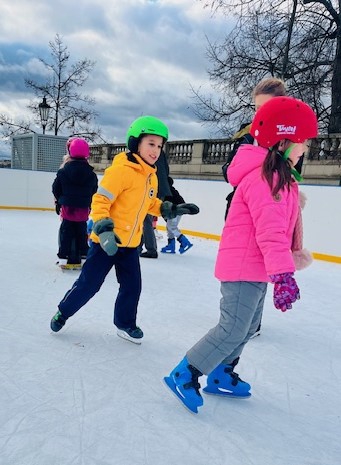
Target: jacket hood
<point>247,159</point>
<point>78,171</point>
<point>133,161</point>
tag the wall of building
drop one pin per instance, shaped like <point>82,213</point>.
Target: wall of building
<point>322,219</point>
<point>38,152</point>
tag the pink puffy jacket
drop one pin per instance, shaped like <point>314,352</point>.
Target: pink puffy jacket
<point>257,236</point>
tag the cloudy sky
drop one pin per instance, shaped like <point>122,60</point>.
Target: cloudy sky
<point>148,54</point>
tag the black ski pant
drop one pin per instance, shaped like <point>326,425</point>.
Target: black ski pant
<point>148,237</point>
<point>73,240</point>
<point>94,271</point>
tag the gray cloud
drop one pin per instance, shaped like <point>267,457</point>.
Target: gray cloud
<point>147,54</point>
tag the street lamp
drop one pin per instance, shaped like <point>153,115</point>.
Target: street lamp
<point>44,110</point>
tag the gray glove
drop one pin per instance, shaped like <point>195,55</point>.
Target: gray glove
<point>169,210</point>
<point>104,229</point>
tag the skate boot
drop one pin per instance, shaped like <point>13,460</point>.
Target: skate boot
<point>149,254</point>
<point>223,381</point>
<point>184,244</point>
<point>61,262</point>
<point>183,382</point>
<point>57,322</point>
<point>134,335</point>
<point>157,233</point>
<point>170,247</point>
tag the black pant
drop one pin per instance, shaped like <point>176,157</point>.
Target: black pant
<point>73,241</point>
<point>148,237</point>
<point>94,271</point>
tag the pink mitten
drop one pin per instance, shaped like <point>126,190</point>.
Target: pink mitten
<point>286,291</point>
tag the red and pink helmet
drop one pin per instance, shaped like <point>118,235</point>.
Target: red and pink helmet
<point>78,148</point>
<point>283,118</point>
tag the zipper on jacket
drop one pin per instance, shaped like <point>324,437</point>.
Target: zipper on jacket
<point>139,211</point>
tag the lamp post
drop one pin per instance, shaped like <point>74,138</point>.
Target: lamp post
<point>44,110</point>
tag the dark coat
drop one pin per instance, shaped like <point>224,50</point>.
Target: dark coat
<point>175,196</point>
<point>75,184</point>
<point>162,173</point>
<point>241,137</point>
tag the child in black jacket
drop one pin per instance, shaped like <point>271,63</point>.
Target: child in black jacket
<point>73,189</point>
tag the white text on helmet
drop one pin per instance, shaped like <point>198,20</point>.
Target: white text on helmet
<point>282,129</point>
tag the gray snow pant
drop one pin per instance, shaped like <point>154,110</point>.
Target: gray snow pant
<point>172,227</point>
<point>241,308</point>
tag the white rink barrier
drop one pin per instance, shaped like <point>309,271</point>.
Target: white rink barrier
<point>20,189</point>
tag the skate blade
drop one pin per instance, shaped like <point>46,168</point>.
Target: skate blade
<point>226,394</point>
<point>71,267</point>
<point>171,385</point>
<point>122,334</point>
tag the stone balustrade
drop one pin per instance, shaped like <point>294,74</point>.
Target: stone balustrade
<point>203,159</point>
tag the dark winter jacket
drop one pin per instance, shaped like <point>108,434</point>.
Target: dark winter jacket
<point>162,173</point>
<point>241,137</point>
<point>175,196</point>
<point>75,184</point>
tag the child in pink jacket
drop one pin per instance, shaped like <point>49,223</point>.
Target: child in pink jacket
<point>255,248</point>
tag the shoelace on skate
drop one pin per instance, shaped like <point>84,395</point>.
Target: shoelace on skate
<point>193,384</point>
<point>235,378</point>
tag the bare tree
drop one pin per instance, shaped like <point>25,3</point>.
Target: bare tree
<point>71,111</point>
<point>278,38</point>
<point>8,127</point>
<point>332,12</point>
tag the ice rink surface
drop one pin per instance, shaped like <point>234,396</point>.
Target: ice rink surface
<point>83,396</point>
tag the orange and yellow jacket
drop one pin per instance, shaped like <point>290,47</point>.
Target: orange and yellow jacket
<point>126,194</point>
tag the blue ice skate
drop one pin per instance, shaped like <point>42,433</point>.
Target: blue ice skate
<point>183,382</point>
<point>184,244</point>
<point>223,381</point>
<point>170,247</point>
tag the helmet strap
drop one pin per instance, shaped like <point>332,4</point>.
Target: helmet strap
<point>286,156</point>
<point>288,151</point>
<point>296,175</point>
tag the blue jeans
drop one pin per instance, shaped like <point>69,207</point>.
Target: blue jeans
<point>95,269</point>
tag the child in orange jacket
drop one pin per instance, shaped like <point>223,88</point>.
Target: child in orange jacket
<point>126,194</point>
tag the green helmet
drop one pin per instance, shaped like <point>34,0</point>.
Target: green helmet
<point>145,125</point>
